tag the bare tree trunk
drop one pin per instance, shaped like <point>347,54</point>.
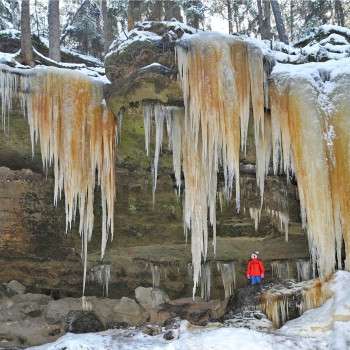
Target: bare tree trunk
<point>107,27</point>
<point>36,18</point>
<point>260,18</point>
<point>54,30</point>
<point>339,13</point>
<point>279,21</point>
<point>172,10</point>
<point>229,16</point>
<point>291,20</point>
<point>134,13</point>
<point>264,20</point>
<point>267,20</point>
<point>156,11</point>
<point>26,40</point>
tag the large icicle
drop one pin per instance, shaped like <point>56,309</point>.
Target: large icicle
<point>67,116</point>
<point>218,75</point>
<point>310,107</point>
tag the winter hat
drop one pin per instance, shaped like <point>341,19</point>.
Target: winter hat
<point>254,255</point>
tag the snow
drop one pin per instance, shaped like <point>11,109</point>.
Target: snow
<point>133,36</point>
<point>8,58</point>
<point>13,33</point>
<point>326,327</point>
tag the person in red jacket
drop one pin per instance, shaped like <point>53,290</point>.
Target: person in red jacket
<point>255,269</point>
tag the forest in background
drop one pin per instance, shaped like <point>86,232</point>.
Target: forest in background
<point>90,26</point>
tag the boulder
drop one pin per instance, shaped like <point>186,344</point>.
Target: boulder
<point>57,310</point>
<point>151,297</point>
<point>128,310</point>
<point>141,65</point>
<point>110,312</point>
<point>83,322</point>
<point>16,287</point>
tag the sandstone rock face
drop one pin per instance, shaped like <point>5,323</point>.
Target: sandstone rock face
<point>142,66</point>
<point>35,250</point>
<point>151,297</point>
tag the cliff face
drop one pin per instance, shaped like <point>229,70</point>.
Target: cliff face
<point>149,242</point>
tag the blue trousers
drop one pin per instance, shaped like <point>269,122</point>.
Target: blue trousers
<point>255,280</point>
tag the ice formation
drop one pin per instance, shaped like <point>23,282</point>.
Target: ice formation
<point>76,135</point>
<point>304,127</point>
<point>101,274</point>
<point>228,276</point>
<point>276,302</point>
<point>155,275</point>
<point>221,77</point>
<point>205,281</point>
<point>281,270</point>
<point>309,108</point>
<point>304,270</point>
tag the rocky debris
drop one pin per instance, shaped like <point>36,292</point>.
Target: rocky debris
<point>151,297</point>
<point>256,320</point>
<point>16,287</point>
<point>196,311</point>
<point>57,310</point>
<point>151,329</point>
<point>170,335</point>
<point>83,322</point>
<point>32,319</point>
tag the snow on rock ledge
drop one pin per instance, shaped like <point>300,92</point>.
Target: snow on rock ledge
<point>141,65</point>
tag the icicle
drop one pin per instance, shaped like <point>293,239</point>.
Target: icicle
<point>217,82</point>
<point>118,134</point>
<point>228,276</point>
<point>280,270</point>
<point>101,274</point>
<point>159,121</point>
<point>303,270</point>
<point>255,214</point>
<point>9,85</point>
<point>205,281</point>
<point>155,275</point>
<point>302,121</point>
<point>147,122</point>
<point>76,135</point>
<point>314,296</point>
<point>275,306</point>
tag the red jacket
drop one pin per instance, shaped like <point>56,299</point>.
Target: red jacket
<point>255,268</point>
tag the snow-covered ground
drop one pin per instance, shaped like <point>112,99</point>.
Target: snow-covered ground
<point>327,327</point>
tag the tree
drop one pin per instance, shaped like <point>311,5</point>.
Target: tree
<point>264,20</point>
<point>54,30</point>
<point>156,9</point>
<point>107,26</point>
<point>339,13</point>
<point>26,40</point>
<point>279,21</point>
<point>194,11</point>
<point>134,13</point>
<point>229,16</point>
<point>172,10</point>
<point>83,32</point>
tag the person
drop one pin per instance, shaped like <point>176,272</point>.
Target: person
<point>255,269</point>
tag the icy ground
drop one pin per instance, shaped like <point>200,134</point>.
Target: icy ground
<point>327,327</point>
